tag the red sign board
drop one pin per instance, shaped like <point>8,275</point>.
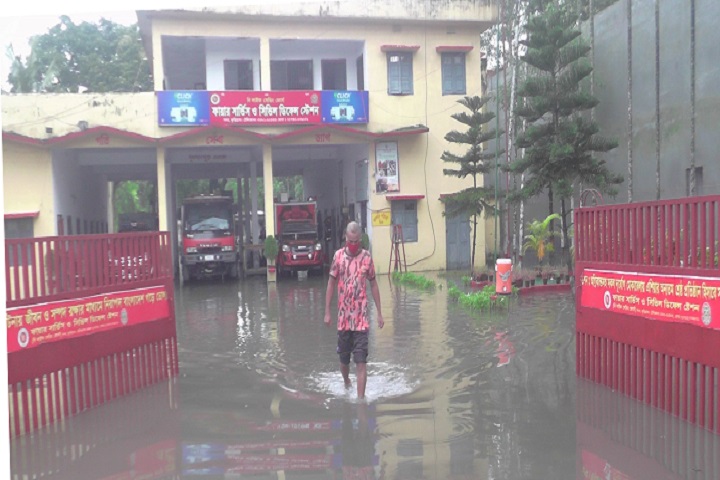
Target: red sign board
<point>28,327</point>
<point>669,298</point>
<point>292,107</point>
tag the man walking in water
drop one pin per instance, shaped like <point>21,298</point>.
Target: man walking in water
<point>352,267</point>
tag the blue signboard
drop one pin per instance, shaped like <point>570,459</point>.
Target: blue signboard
<point>183,108</point>
<point>340,106</point>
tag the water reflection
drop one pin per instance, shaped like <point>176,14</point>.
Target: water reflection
<point>621,438</point>
<point>450,396</point>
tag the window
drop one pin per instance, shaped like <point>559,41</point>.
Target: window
<point>698,181</point>
<point>404,213</point>
<point>291,75</point>
<point>18,228</point>
<point>453,73</point>
<point>238,74</point>
<point>334,75</point>
<point>400,73</point>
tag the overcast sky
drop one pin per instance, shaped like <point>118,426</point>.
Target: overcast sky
<point>20,20</point>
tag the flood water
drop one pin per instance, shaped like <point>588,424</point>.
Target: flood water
<point>451,394</point>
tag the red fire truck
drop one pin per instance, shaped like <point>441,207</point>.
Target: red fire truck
<point>297,232</point>
<point>209,246</point>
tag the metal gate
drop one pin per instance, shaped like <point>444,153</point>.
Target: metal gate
<point>89,318</point>
<point>457,241</point>
<point>648,303</point>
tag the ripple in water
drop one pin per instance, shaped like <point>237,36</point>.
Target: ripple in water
<point>384,381</point>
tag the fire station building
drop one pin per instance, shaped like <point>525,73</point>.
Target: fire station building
<point>355,97</point>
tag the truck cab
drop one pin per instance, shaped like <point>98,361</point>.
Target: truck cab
<point>208,242</point>
<point>298,238</point>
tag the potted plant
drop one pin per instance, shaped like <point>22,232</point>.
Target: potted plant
<point>540,237</point>
<point>271,252</point>
<point>517,280</point>
<point>483,274</point>
<point>539,240</point>
<point>528,278</point>
<point>550,275</point>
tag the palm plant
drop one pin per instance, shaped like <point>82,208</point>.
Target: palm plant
<point>540,237</point>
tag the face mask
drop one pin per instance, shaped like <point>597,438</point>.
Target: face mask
<point>353,248</point>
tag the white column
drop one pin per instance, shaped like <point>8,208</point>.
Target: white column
<point>254,227</point>
<point>269,197</point>
<point>110,207</point>
<point>162,191</point>
<point>317,74</point>
<point>158,72</point>
<point>265,64</point>
<point>351,72</point>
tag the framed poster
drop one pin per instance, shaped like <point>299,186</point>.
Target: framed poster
<point>387,174</point>
<point>341,106</point>
<point>183,108</point>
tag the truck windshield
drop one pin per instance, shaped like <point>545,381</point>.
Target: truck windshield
<point>206,217</point>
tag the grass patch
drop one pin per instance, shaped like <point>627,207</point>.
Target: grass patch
<point>485,299</point>
<point>413,279</point>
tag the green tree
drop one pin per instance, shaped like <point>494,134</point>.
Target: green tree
<point>475,162</point>
<point>102,57</point>
<point>559,141</point>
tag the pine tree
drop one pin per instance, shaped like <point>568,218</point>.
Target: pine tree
<point>475,162</point>
<point>560,142</point>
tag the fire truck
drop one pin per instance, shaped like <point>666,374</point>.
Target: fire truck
<point>297,233</point>
<point>208,244</point>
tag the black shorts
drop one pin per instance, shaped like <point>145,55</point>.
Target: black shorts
<point>352,342</point>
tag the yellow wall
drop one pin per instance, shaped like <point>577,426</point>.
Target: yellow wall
<point>27,185</point>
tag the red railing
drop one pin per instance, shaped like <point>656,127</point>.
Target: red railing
<point>661,236</point>
<point>670,365</point>
<point>53,380</point>
<point>57,268</point>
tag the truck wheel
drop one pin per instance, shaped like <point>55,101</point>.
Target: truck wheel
<point>186,276</point>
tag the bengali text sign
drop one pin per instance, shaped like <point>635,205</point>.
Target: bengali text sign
<point>670,298</point>
<point>292,107</point>
<point>381,218</point>
<point>28,327</point>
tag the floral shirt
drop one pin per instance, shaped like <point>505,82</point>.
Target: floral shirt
<point>352,273</point>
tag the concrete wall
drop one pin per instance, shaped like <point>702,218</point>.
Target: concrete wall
<point>458,10</point>
<point>32,114</point>
<point>675,112</point>
<point>31,187</point>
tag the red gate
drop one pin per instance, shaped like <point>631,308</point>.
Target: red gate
<point>648,303</point>
<point>89,318</point>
